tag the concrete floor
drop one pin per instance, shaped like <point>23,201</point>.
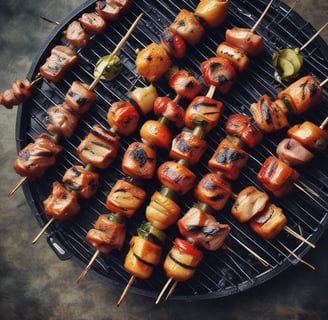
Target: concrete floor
<point>35,284</point>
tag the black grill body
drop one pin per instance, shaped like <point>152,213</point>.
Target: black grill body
<point>224,272</point>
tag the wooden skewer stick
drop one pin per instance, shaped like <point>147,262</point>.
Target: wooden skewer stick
<point>118,47</point>
<point>87,268</point>
<point>287,229</point>
<point>293,5</point>
<point>171,289</point>
<point>304,188</point>
<point>324,82</point>
<point>324,123</point>
<point>297,257</point>
<point>23,179</point>
<point>16,186</point>
<point>125,291</point>
<point>252,252</point>
<point>261,17</point>
<point>49,20</point>
<point>163,290</point>
<point>211,91</point>
<point>92,85</point>
<point>313,37</point>
<point>45,227</point>
<point>298,236</point>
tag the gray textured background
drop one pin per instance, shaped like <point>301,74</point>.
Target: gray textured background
<point>35,284</point>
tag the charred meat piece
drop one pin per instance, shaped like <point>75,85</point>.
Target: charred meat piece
<point>61,203</point>
<point>202,230</point>
<point>108,233</point>
<point>242,127</point>
<point>123,117</point>
<point>81,181</point>
<point>213,190</point>
<point>188,27</point>
<point>18,93</point>
<point>248,203</point>
<point>125,198</point>
<point>168,108</point>
<point>62,120</point>
<point>219,72</point>
<point>269,222</point>
<point>92,22</point>
<point>34,159</point>
<point>156,134</point>
<point>237,56</point>
<point>246,40</point>
<point>139,161</point>
<point>228,159</point>
<point>188,147</point>
<point>76,35</point>
<point>269,116</point>
<point>79,97</point>
<point>185,84</point>
<point>112,9</point>
<point>176,177</point>
<point>99,148</point>
<point>277,177</point>
<point>301,95</point>
<point>61,59</point>
<point>203,111</point>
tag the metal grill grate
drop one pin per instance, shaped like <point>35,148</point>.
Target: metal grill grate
<point>221,273</point>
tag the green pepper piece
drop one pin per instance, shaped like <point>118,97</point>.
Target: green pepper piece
<point>148,232</point>
<point>204,207</point>
<point>198,131</point>
<point>108,67</point>
<point>116,218</point>
<point>169,193</point>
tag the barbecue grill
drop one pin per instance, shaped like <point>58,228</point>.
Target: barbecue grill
<point>224,272</point>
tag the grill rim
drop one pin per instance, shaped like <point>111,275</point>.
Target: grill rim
<point>30,191</point>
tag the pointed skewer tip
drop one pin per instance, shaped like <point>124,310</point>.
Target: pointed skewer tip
<point>125,291</point>
<point>87,268</point>
<point>163,290</point>
<point>298,236</point>
<point>16,186</point>
<point>43,230</point>
<point>261,17</point>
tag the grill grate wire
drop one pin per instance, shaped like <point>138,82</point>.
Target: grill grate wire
<point>224,272</point>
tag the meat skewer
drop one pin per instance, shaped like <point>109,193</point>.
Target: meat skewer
<point>297,98</point>
<point>200,229</point>
<point>176,177</point>
<point>126,195</point>
<point>88,90</point>
<point>211,80</point>
<point>153,61</point>
<point>232,56</point>
<point>105,138</point>
<point>250,204</point>
<point>194,226</point>
<point>303,139</point>
<point>63,57</point>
